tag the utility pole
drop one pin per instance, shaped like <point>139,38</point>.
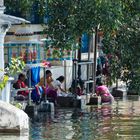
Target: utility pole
<point>95,58</point>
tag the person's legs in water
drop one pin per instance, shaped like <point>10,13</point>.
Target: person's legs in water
<point>107,97</point>
<point>52,94</point>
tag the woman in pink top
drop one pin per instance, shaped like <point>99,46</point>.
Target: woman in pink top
<point>103,91</point>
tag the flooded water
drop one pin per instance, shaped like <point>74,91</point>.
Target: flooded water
<point>120,121</point>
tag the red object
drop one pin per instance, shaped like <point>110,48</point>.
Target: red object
<point>109,56</point>
<point>25,56</point>
<point>49,53</point>
<point>34,54</point>
<point>47,64</point>
<point>21,55</point>
<point>21,84</point>
<point>100,33</point>
<point>29,56</point>
<point>14,55</point>
<point>79,91</point>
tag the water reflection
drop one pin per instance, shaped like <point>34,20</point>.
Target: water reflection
<point>120,121</point>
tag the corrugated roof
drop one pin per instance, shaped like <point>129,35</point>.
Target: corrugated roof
<point>24,31</point>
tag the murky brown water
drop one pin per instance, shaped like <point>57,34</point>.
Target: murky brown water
<point>120,121</point>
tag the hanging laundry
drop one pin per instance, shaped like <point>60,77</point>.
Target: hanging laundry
<point>35,75</point>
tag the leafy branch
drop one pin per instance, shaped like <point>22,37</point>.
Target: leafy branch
<point>16,66</point>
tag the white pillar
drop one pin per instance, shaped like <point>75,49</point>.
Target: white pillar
<point>3,29</point>
<point>2,6</point>
<point>5,94</point>
<point>2,35</point>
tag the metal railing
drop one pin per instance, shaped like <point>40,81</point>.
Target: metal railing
<point>15,91</point>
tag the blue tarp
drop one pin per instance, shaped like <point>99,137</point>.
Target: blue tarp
<point>85,43</point>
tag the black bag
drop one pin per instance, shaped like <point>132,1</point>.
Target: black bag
<point>15,85</point>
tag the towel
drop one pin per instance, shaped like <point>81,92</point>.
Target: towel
<point>35,75</point>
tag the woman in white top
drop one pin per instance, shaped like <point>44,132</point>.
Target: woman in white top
<point>58,82</point>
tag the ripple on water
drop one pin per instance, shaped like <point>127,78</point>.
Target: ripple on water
<point>106,122</point>
<point>120,121</point>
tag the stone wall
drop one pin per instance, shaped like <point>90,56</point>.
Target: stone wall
<point>12,119</point>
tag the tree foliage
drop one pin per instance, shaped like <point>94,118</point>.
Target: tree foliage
<point>118,19</point>
<point>17,7</point>
<point>27,9</point>
<point>124,46</point>
<point>68,20</point>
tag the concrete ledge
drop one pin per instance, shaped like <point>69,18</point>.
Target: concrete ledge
<point>94,100</point>
<point>68,102</point>
<point>12,119</point>
<point>117,93</point>
<point>10,131</point>
<point>133,97</point>
<point>14,137</point>
<point>129,92</point>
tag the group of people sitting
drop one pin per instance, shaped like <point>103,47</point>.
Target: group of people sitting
<point>53,87</point>
<point>42,90</point>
